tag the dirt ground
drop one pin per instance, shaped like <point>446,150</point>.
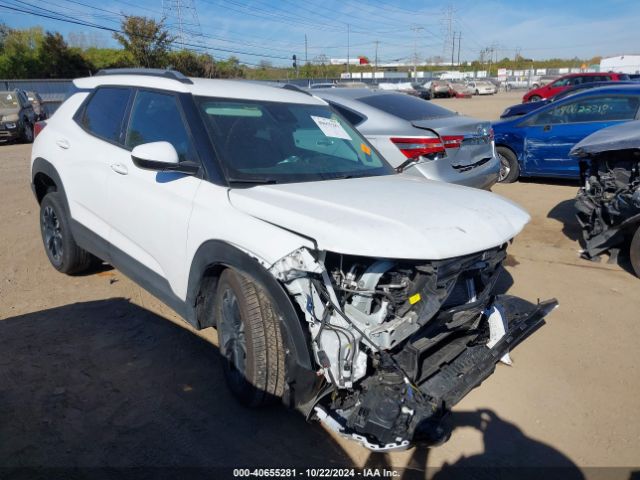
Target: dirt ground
<point>95,372</point>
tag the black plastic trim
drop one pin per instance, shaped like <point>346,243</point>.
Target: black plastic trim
<point>301,378</point>
<point>136,271</point>
<point>147,72</point>
<point>40,165</point>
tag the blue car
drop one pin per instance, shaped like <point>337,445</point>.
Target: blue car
<point>524,108</point>
<point>537,144</point>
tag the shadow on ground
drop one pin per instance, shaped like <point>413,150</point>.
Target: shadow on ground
<point>567,182</point>
<point>108,384</point>
<point>508,454</point>
<point>565,213</point>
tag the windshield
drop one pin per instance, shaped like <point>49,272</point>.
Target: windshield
<point>8,100</point>
<point>269,142</point>
<point>406,106</point>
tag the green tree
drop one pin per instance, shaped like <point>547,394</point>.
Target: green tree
<point>192,64</point>
<point>57,60</point>
<point>146,40</point>
<point>19,56</point>
<point>107,57</point>
<point>4,33</point>
<point>229,68</point>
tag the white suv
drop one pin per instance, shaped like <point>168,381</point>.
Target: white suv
<point>362,297</point>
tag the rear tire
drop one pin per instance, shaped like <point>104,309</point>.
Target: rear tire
<point>509,167</point>
<point>634,252</point>
<point>250,340</point>
<point>62,250</point>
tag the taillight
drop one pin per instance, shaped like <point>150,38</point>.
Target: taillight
<point>417,147</point>
<point>38,127</point>
<point>453,141</point>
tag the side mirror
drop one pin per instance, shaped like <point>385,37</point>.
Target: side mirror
<point>160,156</point>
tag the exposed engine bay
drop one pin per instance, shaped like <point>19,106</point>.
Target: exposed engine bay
<point>399,342</point>
<point>608,203</point>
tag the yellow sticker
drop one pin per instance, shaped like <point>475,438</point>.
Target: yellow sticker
<point>415,298</point>
<point>365,149</point>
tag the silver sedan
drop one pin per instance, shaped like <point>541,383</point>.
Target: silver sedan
<point>419,137</point>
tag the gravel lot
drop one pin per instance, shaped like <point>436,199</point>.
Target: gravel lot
<point>95,372</point>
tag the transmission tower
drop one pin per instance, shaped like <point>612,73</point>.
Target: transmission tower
<point>447,30</point>
<point>181,17</point>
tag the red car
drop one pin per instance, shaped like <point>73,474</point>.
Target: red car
<point>570,80</point>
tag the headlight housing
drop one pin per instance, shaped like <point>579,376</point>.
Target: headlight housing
<point>10,118</point>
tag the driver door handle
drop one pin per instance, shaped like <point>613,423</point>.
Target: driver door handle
<point>120,168</point>
<point>546,128</point>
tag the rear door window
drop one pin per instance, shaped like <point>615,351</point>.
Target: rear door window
<point>591,109</point>
<point>406,107</point>
<point>104,113</point>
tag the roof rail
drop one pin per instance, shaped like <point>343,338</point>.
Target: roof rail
<point>151,72</point>
<point>295,88</point>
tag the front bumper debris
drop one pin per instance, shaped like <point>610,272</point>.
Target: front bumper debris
<point>405,414</point>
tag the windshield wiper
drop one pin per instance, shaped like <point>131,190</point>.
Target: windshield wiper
<point>408,163</point>
<point>252,181</point>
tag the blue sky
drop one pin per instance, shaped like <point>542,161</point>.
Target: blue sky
<point>273,30</point>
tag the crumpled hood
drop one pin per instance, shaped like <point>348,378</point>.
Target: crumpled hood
<point>625,136</point>
<point>396,216</point>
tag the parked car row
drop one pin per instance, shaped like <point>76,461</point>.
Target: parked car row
<point>362,297</point>
<point>459,88</point>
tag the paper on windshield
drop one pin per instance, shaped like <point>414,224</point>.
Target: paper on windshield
<point>331,127</point>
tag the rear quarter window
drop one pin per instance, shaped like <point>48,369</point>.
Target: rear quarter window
<point>406,107</point>
<point>104,113</point>
<point>352,117</point>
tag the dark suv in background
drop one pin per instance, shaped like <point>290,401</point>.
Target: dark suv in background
<point>17,117</point>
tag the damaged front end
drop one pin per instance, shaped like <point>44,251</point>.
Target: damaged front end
<point>399,342</point>
<point>608,203</point>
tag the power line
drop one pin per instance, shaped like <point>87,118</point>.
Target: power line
<point>56,16</point>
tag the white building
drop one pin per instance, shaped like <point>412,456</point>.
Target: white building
<point>622,64</point>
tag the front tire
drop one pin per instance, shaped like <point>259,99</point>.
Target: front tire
<point>535,98</point>
<point>63,252</point>
<point>27,133</point>
<point>509,167</point>
<point>634,252</point>
<point>250,340</point>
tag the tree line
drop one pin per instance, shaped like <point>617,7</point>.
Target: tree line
<point>35,53</point>
<point>144,42</point>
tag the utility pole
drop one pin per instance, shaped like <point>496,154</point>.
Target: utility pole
<point>459,37</point>
<point>306,59</point>
<point>375,69</point>
<point>348,48</point>
<point>453,47</point>
<point>415,30</point>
